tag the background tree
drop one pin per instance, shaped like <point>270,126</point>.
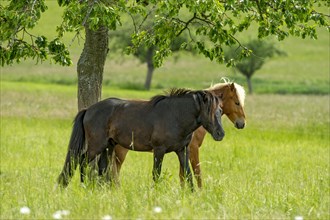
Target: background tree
<point>121,39</point>
<point>218,21</point>
<point>261,50</point>
<point>146,55</point>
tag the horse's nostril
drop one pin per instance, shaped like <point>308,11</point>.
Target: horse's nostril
<point>239,125</point>
<point>221,133</point>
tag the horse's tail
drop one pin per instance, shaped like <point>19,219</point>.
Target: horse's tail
<point>75,150</point>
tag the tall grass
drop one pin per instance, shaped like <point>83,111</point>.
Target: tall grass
<point>276,168</point>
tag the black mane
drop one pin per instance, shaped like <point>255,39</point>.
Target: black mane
<point>178,92</point>
<point>175,92</point>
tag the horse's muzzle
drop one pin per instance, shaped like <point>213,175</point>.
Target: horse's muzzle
<point>218,135</point>
<point>239,124</point>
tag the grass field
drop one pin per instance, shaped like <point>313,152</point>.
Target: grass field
<point>278,167</point>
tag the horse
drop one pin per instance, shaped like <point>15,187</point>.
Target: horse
<point>163,124</point>
<point>232,96</point>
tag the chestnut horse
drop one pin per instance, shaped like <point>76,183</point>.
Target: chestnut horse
<point>233,97</point>
<point>162,125</point>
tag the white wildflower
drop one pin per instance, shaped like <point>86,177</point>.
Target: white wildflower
<point>60,213</point>
<point>157,209</point>
<point>57,215</point>
<point>25,210</point>
<point>107,217</point>
<point>298,218</point>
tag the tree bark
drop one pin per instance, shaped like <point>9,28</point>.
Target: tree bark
<point>248,79</point>
<point>150,66</point>
<point>90,66</point>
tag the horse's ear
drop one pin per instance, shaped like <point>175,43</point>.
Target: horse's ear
<point>198,101</point>
<point>206,97</point>
<point>232,87</point>
<point>203,98</point>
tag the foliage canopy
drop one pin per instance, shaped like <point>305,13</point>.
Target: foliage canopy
<point>211,25</point>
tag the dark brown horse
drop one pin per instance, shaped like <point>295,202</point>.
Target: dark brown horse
<point>232,96</point>
<point>163,124</point>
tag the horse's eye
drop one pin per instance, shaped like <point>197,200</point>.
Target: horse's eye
<point>237,103</point>
<point>219,113</point>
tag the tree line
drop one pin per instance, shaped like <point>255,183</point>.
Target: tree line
<point>159,28</point>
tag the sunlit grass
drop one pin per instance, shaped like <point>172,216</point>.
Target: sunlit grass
<point>277,167</point>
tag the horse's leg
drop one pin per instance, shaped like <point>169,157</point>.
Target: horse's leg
<point>194,160</point>
<point>90,166</point>
<point>103,165</point>
<point>110,164</point>
<point>158,160</point>
<point>83,166</point>
<point>194,145</point>
<point>103,162</point>
<point>120,155</point>
<point>111,171</point>
<point>183,156</point>
<point>96,145</point>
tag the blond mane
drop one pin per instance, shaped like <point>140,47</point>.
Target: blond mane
<point>239,89</point>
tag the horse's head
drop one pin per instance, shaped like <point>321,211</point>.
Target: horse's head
<point>210,114</point>
<point>232,96</point>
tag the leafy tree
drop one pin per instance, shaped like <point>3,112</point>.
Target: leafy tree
<point>218,21</point>
<point>146,55</point>
<point>16,42</point>
<point>121,39</point>
<point>261,50</point>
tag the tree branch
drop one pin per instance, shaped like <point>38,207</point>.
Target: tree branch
<point>88,13</point>
<point>259,9</point>
<point>186,24</point>
<point>239,43</point>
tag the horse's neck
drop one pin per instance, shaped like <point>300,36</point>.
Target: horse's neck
<point>189,109</point>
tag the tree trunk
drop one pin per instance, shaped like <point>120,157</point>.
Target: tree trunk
<point>90,66</point>
<point>150,66</point>
<point>248,78</point>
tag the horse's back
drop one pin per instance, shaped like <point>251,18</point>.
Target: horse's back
<point>98,115</point>
<point>131,126</point>
<point>102,108</point>
<point>142,124</point>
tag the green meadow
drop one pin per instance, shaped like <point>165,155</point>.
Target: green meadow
<point>275,168</point>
